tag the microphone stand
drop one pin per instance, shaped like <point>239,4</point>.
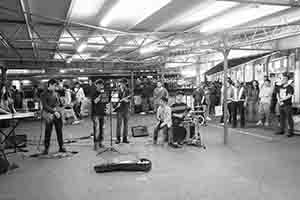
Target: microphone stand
<point>110,148</point>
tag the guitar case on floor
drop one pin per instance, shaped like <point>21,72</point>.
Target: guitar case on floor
<point>130,165</point>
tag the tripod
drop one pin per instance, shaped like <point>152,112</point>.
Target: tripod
<point>110,148</point>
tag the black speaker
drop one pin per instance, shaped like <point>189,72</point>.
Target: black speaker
<point>139,131</point>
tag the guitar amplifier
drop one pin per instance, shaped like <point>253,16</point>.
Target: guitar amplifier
<point>20,141</point>
<point>139,131</point>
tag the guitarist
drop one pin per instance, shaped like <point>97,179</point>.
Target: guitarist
<point>99,100</point>
<point>123,111</point>
<point>52,116</point>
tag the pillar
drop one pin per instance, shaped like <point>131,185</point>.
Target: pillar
<point>225,54</point>
<point>297,75</point>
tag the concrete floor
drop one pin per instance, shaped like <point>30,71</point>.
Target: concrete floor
<point>247,168</point>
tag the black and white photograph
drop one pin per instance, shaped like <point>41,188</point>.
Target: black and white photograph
<point>149,99</point>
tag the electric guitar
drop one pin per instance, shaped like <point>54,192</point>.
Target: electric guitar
<point>117,107</point>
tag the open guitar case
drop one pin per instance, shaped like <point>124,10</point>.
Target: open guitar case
<point>142,164</point>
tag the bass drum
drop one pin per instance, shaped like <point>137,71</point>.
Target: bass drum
<point>131,165</point>
<point>179,134</point>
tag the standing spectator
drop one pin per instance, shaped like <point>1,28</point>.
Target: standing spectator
<point>284,95</point>
<point>213,98</point>
<point>265,97</point>
<point>230,97</point>
<point>164,117</point>
<point>207,102</point>
<point>252,100</point>
<point>17,96</point>
<point>239,105</point>
<point>147,95</point>
<point>198,96</point>
<point>159,92</point>
<point>79,98</point>
<point>68,107</point>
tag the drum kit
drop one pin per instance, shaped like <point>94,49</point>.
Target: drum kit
<point>196,118</point>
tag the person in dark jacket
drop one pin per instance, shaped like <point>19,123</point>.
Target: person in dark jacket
<point>52,115</point>
<point>99,100</point>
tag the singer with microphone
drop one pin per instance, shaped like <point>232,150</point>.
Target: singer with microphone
<point>99,100</point>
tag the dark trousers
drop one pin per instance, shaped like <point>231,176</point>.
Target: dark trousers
<point>58,123</point>
<point>230,107</point>
<point>286,114</point>
<point>98,122</point>
<point>165,130</point>
<point>238,109</point>
<point>122,117</point>
<point>77,109</point>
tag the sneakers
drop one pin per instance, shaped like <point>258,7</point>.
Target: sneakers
<point>290,135</point>
<point>76,122</point>
<point>62,150</point>
<point>208,118</point>
<point>117,141</point>
<point>126,141</point>
<point>267,124</point>
<point>259,123</point>
<point>45,152</point>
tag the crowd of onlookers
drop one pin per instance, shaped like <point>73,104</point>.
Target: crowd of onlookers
<point>246,102</point>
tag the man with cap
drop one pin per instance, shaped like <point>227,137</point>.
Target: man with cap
<point>123,111</point>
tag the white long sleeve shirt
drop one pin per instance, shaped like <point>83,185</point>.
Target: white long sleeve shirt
<point>80,96</point>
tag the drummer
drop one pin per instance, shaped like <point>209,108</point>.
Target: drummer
<point>179,111</point>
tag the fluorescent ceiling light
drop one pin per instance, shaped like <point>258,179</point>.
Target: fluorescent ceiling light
<point>82,47</point>
<point>81,56</point>
<point>86,8</point>
<point>239,17</point>
<point>104,56</point>
<point>203,11</point>
<point>66,37</point>
<point>127,13</point>
<point>96,39</point>
<point>150,49</point>
<point>174,65</point>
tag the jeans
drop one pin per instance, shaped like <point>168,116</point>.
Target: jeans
<point>58,123</point>
<point>286,114</point>
<point>264,111</point>
<point>77,109</point>
<point>165,130</point>
<point>122,117</point>
<point>230,108</point>
<point>98,122</point>
<point>238,109</point>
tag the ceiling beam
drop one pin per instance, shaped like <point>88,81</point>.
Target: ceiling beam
<point>292,3</point>
<point>28,26</point>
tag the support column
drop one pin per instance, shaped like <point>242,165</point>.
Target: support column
<point>297,75</point>
<point>132,91</point>
<point>225,54</point>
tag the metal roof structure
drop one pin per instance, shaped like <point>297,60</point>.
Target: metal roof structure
<point>140,31</point>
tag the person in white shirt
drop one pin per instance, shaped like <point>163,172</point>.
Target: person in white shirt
<point>230,97</point>
<point>239,105</point>
<point>265,97</point>
<point>164,117</point>
<point>79,98</point>
<point>68,107</point>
